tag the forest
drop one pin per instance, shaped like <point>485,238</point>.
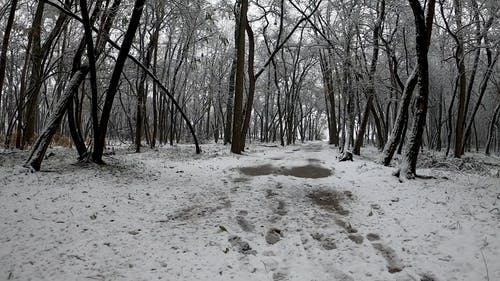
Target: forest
<point>101,95</point>
<point>349,71</point>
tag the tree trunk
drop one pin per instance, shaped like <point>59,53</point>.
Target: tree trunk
<point>89,42</point>
<point>491,131</point>
<point>115,79</point>
<point>439,122</point>
<point>401,118</point>
<point>42,143</point>
<point>141,90</point>
<point>239,80</point>
<point>39,55</point>
<point>422,40</point>
<point>229,105</point>
<point>462,83</point>
<point>330,97</point>
<point>482,91</point>
<point>5,45</point>
<point>251,86</point>
<point>371,82</point>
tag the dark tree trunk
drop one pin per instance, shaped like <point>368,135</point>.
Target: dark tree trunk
<point>422,40</point>
<point>482,91</point>
<point>239,80</point>
<point>5,45</point>
<point>462,80</point>
<point>491,131</point>
<point>89,42</point>
<point>251,86</point>
<point>371,82</point>
<point>141,90</point>
<point>330,98</point>
<point>115,79</point>
<point>439,122</point>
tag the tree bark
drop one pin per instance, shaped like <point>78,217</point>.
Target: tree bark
<point>89,42</point>
<point>115,79</point>
<point>39,54</point>
<point>482,91</point>
<point>42,143</point>
<point>239,80</point>
<point>251,86</point>
<point>422,40</point>
<point>402,115</point>
<point>370,92</point>
<point>5,45</point>
<point>401,118</point>
<point>141,90</point>
<point>491,131</point>
<point>462,83</point>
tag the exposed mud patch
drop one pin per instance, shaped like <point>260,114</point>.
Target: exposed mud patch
<point>311,171</point>
<point>262,170</point>
<point>329,200</point>
<point>308,171</point>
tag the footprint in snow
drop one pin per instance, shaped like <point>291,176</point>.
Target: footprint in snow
<point>394,263</point>
<point>245,224</point>
<point>241,246</point>
<point>273,236</point>
<point>326,243</point>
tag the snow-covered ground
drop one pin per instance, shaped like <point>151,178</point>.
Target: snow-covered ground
<point>292,213</point>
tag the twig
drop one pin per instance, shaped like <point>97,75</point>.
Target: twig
<point>485,265</point>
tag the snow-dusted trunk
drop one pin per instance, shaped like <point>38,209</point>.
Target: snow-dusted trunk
<point>422,38</point>
<point>397,131</point>
<point>349,104</point>
<point>42,143</point>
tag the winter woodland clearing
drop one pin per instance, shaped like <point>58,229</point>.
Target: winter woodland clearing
<point>278,140</point>
<point>273,213</point>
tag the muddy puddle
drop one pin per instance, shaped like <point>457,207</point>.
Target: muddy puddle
<point>311,171</point>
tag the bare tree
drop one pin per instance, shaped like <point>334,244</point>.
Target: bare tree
<point>423,30</point>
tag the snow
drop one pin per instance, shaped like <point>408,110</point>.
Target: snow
<point>168,214</point>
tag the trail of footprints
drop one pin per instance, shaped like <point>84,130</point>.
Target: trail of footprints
<point>325,200</point>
